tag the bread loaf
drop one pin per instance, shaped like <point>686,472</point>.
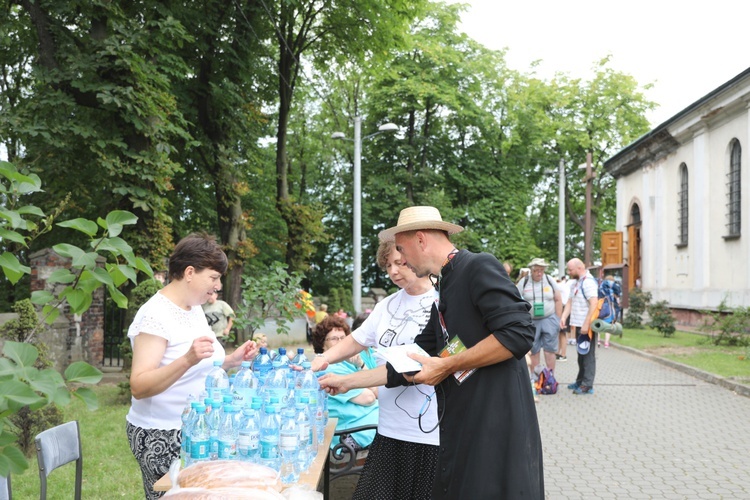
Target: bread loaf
<point>229,474</point>
<point>222,494</point>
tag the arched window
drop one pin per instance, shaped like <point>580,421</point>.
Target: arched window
<point>682,208</point>
<point>734,194</point>
<point>635,214</point>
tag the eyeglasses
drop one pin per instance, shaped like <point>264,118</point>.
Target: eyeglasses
<point>335,339</point>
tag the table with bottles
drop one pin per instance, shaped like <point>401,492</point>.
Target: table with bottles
<point>266,413</point>
<point>311,477</point>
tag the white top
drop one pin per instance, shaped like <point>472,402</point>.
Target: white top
<point>580,307</point>
<point>564,291</point>
<point>397,320</point>
<point>542,291</point>
<point>163,318</point>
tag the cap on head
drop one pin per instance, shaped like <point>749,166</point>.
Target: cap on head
<point>416,218</point>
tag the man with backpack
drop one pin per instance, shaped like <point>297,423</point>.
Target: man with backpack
<point>581,308</point>
<point>542,292</point>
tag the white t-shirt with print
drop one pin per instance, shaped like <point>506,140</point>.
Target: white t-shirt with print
<point>163,318</point>
<point>397,320</point>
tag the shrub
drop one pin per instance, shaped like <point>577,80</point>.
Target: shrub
<point>269,295</point>
<point>729,326</point>
<point>639,301</point>
<point>661,318</point>
<point>27,422</point>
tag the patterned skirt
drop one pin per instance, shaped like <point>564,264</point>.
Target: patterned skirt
<point>155,450</point>
<point>396,470</point>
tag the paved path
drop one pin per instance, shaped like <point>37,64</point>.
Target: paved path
<point>649,431</point>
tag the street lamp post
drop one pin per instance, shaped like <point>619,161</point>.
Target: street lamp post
<point>587,230</point>
<point>357,204</point>
<point>561,221</point>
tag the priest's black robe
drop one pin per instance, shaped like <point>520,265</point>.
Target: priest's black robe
<point>490,445</point>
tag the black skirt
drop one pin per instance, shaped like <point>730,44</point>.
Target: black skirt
<point>396,470</point>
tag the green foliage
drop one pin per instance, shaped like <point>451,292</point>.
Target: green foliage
<point>639,301</point>
<point>29,388</point>
<point>27,423</point>
<point>269,295</point>
<point>661,318</point>
<point>728,326</point>
<point>22,385</point>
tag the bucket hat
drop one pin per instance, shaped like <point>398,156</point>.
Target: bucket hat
<point>538,262</point>
<point>416,218</point>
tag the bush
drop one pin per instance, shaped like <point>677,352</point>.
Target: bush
<point>661,318</point>
<point>639,301</point>
<point>27,422</point>
<point>728,326</point>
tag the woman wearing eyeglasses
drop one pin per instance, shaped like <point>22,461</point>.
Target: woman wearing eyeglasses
<point>357,407</point>
<point>402,459</point>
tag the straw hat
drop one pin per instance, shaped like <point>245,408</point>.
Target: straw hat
<point>538,262</point>
<point>415,218</point>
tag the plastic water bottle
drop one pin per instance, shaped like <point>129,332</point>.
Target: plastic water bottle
<point>269,438</point>
<point>300,357</point>
<point>262,365</point>
<point>288,446</point>
<point>188,414</point>
<point>248,434</point>
<point>305,452</point>
<point>228,434</point>
<point>213,419</point>
<point>244,386</point>
<point>317,407</point>
<point>283,357</point>
<point>306,383</point>
<point>275,386</point>
<point>217,380</point>
<point>200,436</point>
<point>315,429</point>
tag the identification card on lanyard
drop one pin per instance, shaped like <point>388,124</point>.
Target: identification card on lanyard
<point>452,346</point>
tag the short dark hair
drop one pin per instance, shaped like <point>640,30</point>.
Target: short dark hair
<point>199,250</point>
<point>326,325</point>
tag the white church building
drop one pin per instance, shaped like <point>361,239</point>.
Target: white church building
<point>683,204</point>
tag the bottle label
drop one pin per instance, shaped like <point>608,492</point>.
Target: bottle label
<point>227,449</point>
<point>304,433</point>
<point>248,441</point>
<point>269,449</point>
<point>199,449</point>
<point>288,442</point>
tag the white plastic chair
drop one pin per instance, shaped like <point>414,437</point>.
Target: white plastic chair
<point>56,447</point>
<point>5,488</point>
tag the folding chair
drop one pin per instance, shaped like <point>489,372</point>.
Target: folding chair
<point>5,488</point>
<point>56,447</point>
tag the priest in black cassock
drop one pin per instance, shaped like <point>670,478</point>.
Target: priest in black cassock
<point>490,446</point>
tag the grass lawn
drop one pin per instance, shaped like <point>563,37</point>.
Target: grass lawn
<point>692,349</point>
<point>109,469</point>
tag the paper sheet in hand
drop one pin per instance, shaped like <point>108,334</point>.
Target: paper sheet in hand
<point>397,356</point>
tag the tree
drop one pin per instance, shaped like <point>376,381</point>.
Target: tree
<point>332,31</point>
<point>600,116</point>
<point>99,103</point>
